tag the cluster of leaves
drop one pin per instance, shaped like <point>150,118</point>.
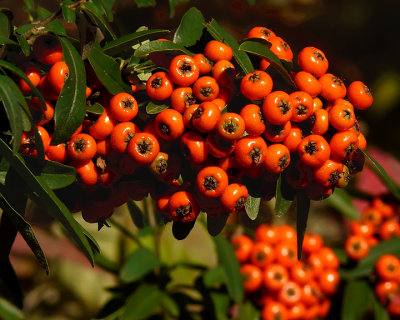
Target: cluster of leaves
<point>113,59</point>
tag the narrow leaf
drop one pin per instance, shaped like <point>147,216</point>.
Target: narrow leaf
<point>95,108</point>
<point>4,40</point>
<point>214,277</point>
<point>143,302</point>
<point>127,41</point>
<point>152,108</point>
<point>107,71</point>
<point>4,26</point>
<point>107,6</point>
<point>10,312</point>
<point>382,174</point>
<point>241,57</point>
<point>70,106</point>
<point>23,43</point>
<point>252,206</point>
<point>55,207</point>
<point>141,262</point>
<point>136,214</point>
<point>181,230</point>
<point>95,15</point>
<point>160,46</point>
<point>216,224</point>
<point>380,311</point>
<point>341,201</point>
<point>302,209</point>
<point>26,232</point>
<point>171,306</point>
<point>190,29</point>
<point>259,47</point>
<point>282,202</point>
<point>19,73</point>
<point>68,13</point>
<point>354,300</point>
<point>221,305</point>
<point>231,266</point>
<point>248,311</point>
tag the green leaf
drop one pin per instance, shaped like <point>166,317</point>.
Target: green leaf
<point>143,302</point>
<point>248,311</point>
<point>171,306</point>
<point>380,311</point>
<point>13,101</point>
<point>252,207</point>
<point>54,26</point>
<point>107,6</point>
<point>231,266</point>
<point>393,187</point>
<point>282,202</point>
<point>354,300</point>
<point>19,73</point>
<point>341,201</point>
<point>56,175</point>
<point>152,108</point>
<point>190,29</point>
<point>136,214</point>
<point>181,230</point>
<point>55,207</point>
<point>302,209</point>
<point>96,16</point>
<point>215,225</point>
<point>241,57</point>
<point>221,305</point>
<point>106,264</point>
<point>259,47</point>
<point>10,312</point>
<point>214,277</point>
<point>141,262</point>
<point>160,46</point>
<point>127,41</point>
<point>26,232</point>
<point>68,13</point>
<point>107,71</point>
<point>23,43</point>
<point>366,266</point>
<point>145,3</point>
<point>95,108</point>
<point>4,40</point>
<point>4,26</point>
<point>70,106</point>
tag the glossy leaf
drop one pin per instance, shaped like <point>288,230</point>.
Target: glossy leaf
<point>259,47</point>
<point>282,201</point>
<point>302,209</point>
<point>70,107</point>
<point>127,41</point>
<point>136,214</point>
<point>4,26</point>
<point>10,312</point>
<point>26,231</point>
<point>190,29</point>
<point>68,13</point>
<point>55,207</point>
<point>12,110</point>
<point>252,207</point>
<point>56,175</point>
<point>380,311</point>
<point>248,311</point>
<point>19,73</point>
<point>220,34</point>
<point>216,224</point>
<point>152,108</point>
<point>393,187</point>
<point>107,6</point>
<point>107,71</point>
<point>341,201</point>
<point>366,266</point>
<point>160,46</point>
<point>214,277</point>
<point>143,302</point>
<point>231,266</point>
<point>355,296</point>
<point>54,26</point>
<point>181,230</point>
<point>95,108</point>
<point>141,262</point>
<point>96,16</point>
<point>23,43</point>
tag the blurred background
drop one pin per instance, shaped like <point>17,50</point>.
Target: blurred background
<point>360,40</point>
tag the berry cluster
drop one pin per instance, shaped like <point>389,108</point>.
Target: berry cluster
<point>219,129</point>
<point>284,287</point>
<point>379,222</point>
<point>387,270</point>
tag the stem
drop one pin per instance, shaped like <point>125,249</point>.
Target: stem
<point>42,24</point>
<point>125,231</point>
